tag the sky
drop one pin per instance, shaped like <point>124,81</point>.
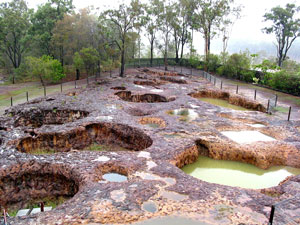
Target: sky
<point>246,30</point>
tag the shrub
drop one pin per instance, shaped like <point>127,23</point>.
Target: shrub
<point>247,75</point>
<point>45,68</point>
<point>212,63</point>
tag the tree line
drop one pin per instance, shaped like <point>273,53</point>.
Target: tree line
<point>55,39</point>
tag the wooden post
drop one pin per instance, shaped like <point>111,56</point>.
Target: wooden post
<point>42,206</point>
<point>27,97</point>
<point>276,99</point>
<point>290,111</point>
<point>61,87</point>
<point>11,101</point>
<point>268,107</point>
<point>271,215</point>
<point>255,94</point>
<point>4,215</point>
<point>221,85</point>
<point>237,89</point>
<point>45,94</point>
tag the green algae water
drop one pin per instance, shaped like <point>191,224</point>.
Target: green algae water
<point>223,103</point>
<point>238,174</point>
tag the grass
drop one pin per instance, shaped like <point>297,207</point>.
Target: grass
<point>108,148</point>
<point>281,109</point>
<point>43,151</point>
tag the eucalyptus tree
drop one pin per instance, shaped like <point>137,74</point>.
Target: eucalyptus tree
<point>181,25</point>
<point>124,19</point>
<point>208,16</point>
<point>286,27</point>
<point>14,30</point>
<point>152,24</point>
<point>44,20</point>
<point>167,16</point>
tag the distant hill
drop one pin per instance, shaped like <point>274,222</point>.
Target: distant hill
<point>268,48</point>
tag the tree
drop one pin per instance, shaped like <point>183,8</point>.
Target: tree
<point>151,26</point>
<point>44,20</point>
<point>124,20</point>
<point>78,64</point>
<point>14,26</point>
<point>89,58</point>
<point>167,15</point>
<point>286,28</point>
<point>45,68</point>
<point>208,17</point>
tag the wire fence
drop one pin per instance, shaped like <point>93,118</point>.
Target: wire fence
<point>183,66</point>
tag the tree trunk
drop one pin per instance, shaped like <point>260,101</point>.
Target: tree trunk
<point>122,59</point>
<point>151,52</point>
<point>42,81</point>
<point>166,52</point>
<point>77,74</point>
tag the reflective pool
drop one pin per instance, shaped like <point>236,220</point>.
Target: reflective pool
<point>238,174</point>
<point>222,103</point>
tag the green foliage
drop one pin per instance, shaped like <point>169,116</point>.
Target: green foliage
<point>14,26</point>
<point>286,27</point>
<point>77,61</point>
<point>87,57</point>
<point>284,81</point>
<point>212,62</point>
<point>247,75</point>
<point>45,68</point>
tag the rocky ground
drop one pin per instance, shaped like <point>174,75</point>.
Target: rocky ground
<point>115,112</point>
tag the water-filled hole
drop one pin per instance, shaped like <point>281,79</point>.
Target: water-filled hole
<point>238,174</point>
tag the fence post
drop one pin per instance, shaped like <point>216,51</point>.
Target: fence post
<point>11,101</point>
<point>237,89</point>
<point>290,111</point>
<point>268,107</point>
<point>45,94</point>
<point>255,94</point>
<point>221,85</point>
<point>276,99</point>
<point>215,81</point>
<point>271,215</point>
<point>61,87</point>
<point>27,96</point>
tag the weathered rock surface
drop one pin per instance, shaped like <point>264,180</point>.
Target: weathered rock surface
<point>104,113</point>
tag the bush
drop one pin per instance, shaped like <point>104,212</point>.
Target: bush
<point>247,75</point>
<point>45,68</point>
<point>212,63</point>
<point>285,81</point>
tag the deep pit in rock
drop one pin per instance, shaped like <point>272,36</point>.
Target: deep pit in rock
<point>77,139</point>
<point>37,117</point>
<point>119,88</point>
<point>237,174</point>
<point>147,82</point>
<point>24,188</point>
<point>230,98</point>
<point>173,80</point>
<point>199,161</point>
<point>144,98</point>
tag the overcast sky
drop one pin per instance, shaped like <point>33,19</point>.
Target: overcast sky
<point>247,29</point>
